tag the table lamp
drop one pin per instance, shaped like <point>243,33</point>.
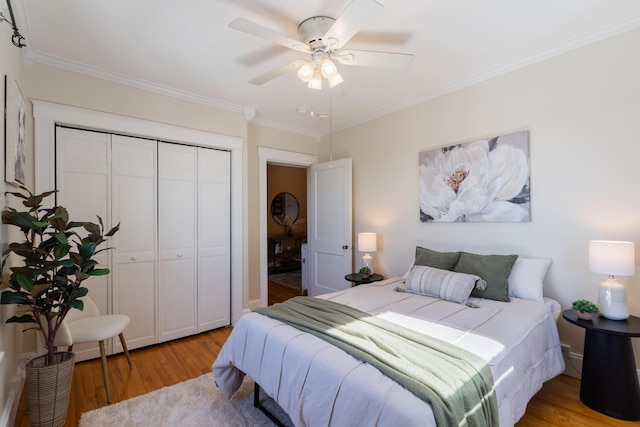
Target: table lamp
<point>612,258</point>
<point>366,244</point>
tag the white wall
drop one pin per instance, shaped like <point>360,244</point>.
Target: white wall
<point>45,83</point>
<point>582,110</point>
<point>10,335</point>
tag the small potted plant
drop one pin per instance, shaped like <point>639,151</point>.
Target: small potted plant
<point>365,272</point>
<point>584,309</point>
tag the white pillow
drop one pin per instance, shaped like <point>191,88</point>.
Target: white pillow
<point>443,284</point>
<point>527,277</point>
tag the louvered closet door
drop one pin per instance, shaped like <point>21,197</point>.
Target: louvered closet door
<point>214,228</point>
<point>82,178</point>
<point>177,210</point>
<point>134,199</point>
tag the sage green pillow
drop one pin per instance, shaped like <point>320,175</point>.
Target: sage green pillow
<point>435,259</point>
<point>494,269</point>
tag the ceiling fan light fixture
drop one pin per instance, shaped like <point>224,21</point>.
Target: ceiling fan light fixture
<point>335,80</point>
<point>312,72</point>
<point>316,80</point>
<point>305,73</point>
<point>328,68</point>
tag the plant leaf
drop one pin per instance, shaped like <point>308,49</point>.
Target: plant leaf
<point>37,289</point>
<point>60,219</point>
<point>25,282</point>
<point>61,251</point>
<point>9,297</point>
<point>87,250</point>
<point>77,304</point>
<point>81,292</point>
<point>92,228</point>
<point>81,276</point>
<point>113,231</point>
<point>99,272</point>
<point>22,319</point>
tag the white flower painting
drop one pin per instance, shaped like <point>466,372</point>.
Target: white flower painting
<point>480,181</point>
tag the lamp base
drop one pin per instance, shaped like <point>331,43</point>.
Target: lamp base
<point>612,300</point>
<point>367,261</point>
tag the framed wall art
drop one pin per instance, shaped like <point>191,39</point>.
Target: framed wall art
<point>14,133</point>
<point>487,180</point>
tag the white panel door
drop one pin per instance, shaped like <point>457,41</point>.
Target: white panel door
<point>177,210</point>
<point>82,175</point>
<point>134,199</point>
<point>214,230</point>
<point>329,226</point>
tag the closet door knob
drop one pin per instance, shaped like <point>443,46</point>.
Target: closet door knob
<point>179,255</point>
<point>134,258</point>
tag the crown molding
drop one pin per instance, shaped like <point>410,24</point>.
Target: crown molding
<point>31,55</point>
<point>77,67</point>
<point>616,29</point>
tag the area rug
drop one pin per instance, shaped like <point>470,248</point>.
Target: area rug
<point>196,402</point>
<point>293,279</point>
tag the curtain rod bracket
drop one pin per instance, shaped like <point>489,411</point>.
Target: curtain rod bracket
<point>16,38</point>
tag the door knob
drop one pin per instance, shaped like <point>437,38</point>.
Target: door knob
<point>345,247</point>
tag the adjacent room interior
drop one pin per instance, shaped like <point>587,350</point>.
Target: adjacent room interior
<point>286,230</point>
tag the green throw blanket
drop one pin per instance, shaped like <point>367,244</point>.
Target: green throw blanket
<point>458,384</point>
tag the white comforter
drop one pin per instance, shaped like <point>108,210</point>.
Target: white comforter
<point>320,385</point>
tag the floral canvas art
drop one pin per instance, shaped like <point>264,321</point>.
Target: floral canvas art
<point>481,181</point>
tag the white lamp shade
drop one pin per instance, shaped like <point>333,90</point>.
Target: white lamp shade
<point>613,258</point>
<point>335,80</point>
<point>328,68</point>
<point>316,80</point>
<point>306,71</point>
<point>367,242</point>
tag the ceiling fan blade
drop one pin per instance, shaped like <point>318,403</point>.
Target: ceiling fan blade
<point>357,14</point>
<point>266,77</point>
<point>366,58</point>
<point>254,29</point>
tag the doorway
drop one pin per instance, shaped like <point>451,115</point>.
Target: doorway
<point>269,156</point>
<point>286,231</point>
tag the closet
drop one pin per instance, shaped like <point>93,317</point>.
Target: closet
<point>170,262</point>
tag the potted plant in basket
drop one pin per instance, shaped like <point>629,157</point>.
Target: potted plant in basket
<point>46,284</point>
<point>584,309</point>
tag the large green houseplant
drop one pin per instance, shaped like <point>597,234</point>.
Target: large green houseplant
<point>55,263</point>
<point>45,280</point>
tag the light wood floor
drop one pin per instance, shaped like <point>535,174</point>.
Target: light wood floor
<point>279,293</point>
<point>557,404</point>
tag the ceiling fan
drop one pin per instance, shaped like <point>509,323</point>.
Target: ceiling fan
<point>322,38</point>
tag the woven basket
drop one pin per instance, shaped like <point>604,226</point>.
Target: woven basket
<point>48,389</point>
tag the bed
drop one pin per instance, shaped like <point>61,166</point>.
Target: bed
<point>318,384</point>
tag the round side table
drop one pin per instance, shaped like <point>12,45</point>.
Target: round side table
<point>609,379</point>
<point>357,279</point>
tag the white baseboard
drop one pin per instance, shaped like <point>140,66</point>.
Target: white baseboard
<point>10,409</point>
<point>5,418</point>
<point>254,304</point>
<point>573,364</point>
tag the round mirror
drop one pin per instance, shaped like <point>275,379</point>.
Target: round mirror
<point>285,208</point>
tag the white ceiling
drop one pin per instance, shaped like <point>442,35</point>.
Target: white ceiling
<point>186,49</point>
